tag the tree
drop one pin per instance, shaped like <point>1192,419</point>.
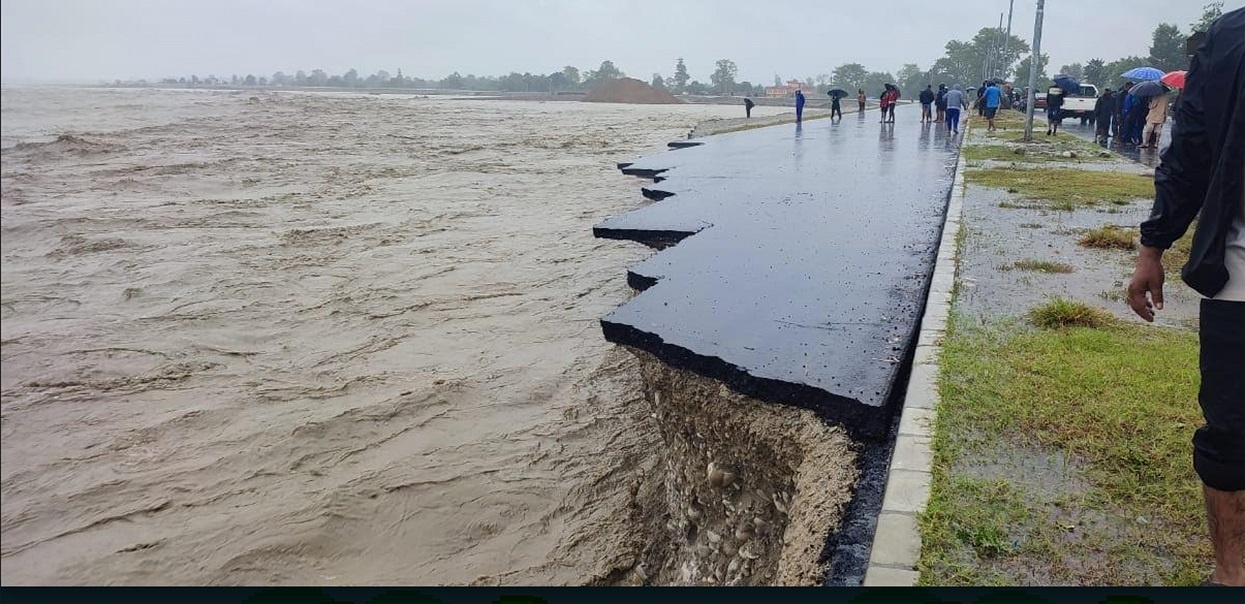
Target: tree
<point>351,78</point>
<point>454,81</point>
<point>850,76</point>
<point>318,78</point>
<point>911,80</point>
<point>1022,73</point>
<point>965,62</point>
<point>1076,70</point>
<point>723,76</point>
<point>1115,69</point>
<point>697,88</point>
<point>570,73</point>
<point>1167,50</point>
<point>875,81</point>
<point>681,78</point>
<point>279,78</point>
<point>251,80</point>
<point>607,71</point>
<point>777,80</point>
<point>1210,13</point>
<point>1095,73</point>
<point>659,82</point>
<point>300,78</point>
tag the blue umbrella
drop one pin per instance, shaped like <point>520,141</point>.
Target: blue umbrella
<point>1143,73</point>
<point>1068,83</point>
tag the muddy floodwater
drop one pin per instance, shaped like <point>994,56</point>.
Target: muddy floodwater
<point>319,338</point>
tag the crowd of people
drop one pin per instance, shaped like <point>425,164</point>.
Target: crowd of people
<point>1129,120</point>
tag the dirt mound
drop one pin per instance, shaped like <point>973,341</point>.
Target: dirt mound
<point>629,90</point>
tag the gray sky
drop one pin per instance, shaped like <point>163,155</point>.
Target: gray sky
<point>91,40</point>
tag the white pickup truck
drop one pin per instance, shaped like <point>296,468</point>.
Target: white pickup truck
<point>1081,105</point>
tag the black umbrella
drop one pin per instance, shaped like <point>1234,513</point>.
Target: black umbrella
<point>1148,89</point>
<point>837,92</point>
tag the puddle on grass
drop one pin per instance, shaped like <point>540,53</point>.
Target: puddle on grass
<point>996,237</point>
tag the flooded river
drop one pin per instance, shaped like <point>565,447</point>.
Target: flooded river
<point>318,338</point>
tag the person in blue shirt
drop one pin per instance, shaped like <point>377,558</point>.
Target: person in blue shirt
<point>991,99</point>
<point>799,106</point>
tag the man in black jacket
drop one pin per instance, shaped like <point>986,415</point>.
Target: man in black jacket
<point>927,99</point>
<point>1204,171</point>
<point>940,103</point>
<point>1104,108</point>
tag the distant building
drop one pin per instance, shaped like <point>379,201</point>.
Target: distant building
<point>789,89</point>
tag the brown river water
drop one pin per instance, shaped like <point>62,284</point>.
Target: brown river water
<point>279,338</point>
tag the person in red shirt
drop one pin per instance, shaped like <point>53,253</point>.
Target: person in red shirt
<point>888,101</point>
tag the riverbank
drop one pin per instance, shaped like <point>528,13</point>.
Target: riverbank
<point>1061,441</point>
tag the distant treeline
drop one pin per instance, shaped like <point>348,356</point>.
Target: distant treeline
<point>990,54</point>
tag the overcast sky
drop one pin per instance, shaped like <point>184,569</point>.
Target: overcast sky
<point>93,40</point>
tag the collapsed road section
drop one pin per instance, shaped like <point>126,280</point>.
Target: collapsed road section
<point>805,278</point>
<point>793,268</point>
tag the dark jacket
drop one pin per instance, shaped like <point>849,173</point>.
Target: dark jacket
<point>941,100</point>
<point>1204,167</point>
<point>927,96</point>
<point>1104,108</point>
<point>1121,97</point>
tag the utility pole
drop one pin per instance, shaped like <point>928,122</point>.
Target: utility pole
<point>1008,38</point>
<point>1034,60</point>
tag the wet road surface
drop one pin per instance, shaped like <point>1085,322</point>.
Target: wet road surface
<point>806,275</point>
<point>1147,157</point>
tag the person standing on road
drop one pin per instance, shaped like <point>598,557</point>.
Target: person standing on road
<point>1054,110</point>
<point>991,99</point>
<point>940,103</point>
<point>981,92</point>
<point>1121,104</point>
<point>927,100</point>
<point>889,99</point>
<point>955,102</point>
<point>748,105</point>
<point>884,101</point>
<point>1155,118</point>
<point>1104,107</point>
<point>860,99</point>
<point>835,108</point>
<point>1203,172</point>
<point>799,106</point>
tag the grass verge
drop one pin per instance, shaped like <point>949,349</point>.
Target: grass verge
<point>1066,189</point>
<point>1116,406</point>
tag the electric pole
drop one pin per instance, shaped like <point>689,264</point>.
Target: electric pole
<point>1034,60</point>
<point>1008,38</point>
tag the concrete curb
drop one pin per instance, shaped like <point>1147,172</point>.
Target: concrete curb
<point>897,540</point>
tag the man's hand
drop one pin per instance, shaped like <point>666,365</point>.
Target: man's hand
<point>1147,279</point>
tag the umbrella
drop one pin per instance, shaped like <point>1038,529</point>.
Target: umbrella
<point>1143,73</point>
<point>1148,89</point>
<point>837,92</point>
<point>1067,83</point>
<point>1175,79</point>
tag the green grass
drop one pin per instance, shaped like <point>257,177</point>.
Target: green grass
<point>1061,312</point>
<point>1108,237</point>
<point>1039,266</point>
<point>1119,404</point>
<point>1065,189</point>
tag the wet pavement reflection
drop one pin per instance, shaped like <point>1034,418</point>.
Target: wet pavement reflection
<point>811,255</point>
